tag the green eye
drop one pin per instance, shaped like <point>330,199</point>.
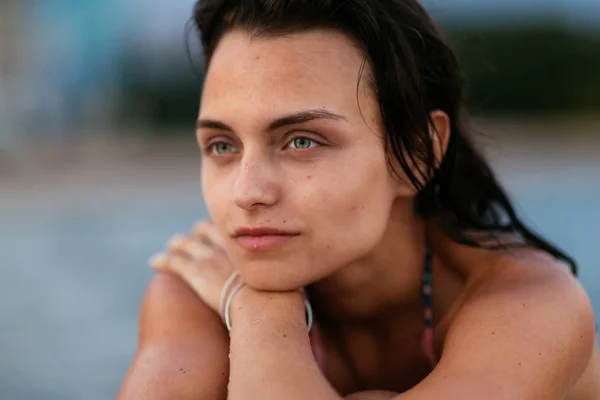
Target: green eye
<point>221,148</point>
<point>302,143</point>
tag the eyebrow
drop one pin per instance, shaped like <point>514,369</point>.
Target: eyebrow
<point>292,119</point>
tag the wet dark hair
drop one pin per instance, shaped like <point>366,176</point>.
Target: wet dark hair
<point>413,72</point>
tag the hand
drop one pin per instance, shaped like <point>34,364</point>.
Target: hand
<point>200,260</point>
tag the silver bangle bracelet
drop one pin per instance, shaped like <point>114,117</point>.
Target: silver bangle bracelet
<point>236,289</point>
<point>223,299</point>
<point>309,313</point>
<point>239,286</point>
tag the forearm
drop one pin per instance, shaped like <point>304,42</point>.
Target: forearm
<point>271,357</point>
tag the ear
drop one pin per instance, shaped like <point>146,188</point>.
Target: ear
<point>439,131</point>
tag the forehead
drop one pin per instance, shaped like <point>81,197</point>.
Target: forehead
<point>313,69</point>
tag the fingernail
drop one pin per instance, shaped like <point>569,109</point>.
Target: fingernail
<point>158,261</point>
<point>175,242</point>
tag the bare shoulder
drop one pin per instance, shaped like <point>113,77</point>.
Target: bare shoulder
<point>183,347</point>
<point>523,318</point>
<point>171,309</point>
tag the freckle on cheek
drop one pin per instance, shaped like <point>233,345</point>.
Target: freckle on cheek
<point>309,177</point>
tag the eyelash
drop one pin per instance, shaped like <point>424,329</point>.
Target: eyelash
<point>211,147</point>
<point>209,150</point>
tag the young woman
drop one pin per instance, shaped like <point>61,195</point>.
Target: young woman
<point>336,160</point>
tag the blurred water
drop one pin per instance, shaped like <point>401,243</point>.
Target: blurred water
<point>72,277</point>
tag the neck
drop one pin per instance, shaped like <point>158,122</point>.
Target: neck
<point>384,282</point>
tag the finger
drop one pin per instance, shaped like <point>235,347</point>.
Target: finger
<point>177,263</point>
<point>165,259</point>
<point>192,247</point>
<point>207,230</point>
<point>195,254</point>
<point>205,278</point>
<point>182,264</point>
<point>159,261</point>
<point>175,242</point>
<point>182,243</point>
<point>188,270</point>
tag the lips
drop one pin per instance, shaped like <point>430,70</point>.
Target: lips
<point>262,238</point>
<point>262,231</point>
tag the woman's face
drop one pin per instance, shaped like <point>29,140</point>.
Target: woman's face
<point>294,173</point>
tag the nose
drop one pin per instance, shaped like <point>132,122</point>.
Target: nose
<point>256,183</point>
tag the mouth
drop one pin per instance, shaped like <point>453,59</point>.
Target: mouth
<point>262,238</point>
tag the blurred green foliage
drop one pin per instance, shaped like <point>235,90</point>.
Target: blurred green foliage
<point>164,101</point>
<point>518,71</point>
<point>537,70</point>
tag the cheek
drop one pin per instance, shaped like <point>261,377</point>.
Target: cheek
<point>352,214</point>
<point>348,234</point>
<point>208,192</point>
<point>216,192</point>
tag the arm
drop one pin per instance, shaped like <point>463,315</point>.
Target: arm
<point>271,357</point>
<point>517,335</point>
<point>183,346</point>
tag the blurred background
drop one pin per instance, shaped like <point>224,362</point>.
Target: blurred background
<point>98,163</point>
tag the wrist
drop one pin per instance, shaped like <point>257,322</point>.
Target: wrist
<point>260,298</point>
<point>250,307</point>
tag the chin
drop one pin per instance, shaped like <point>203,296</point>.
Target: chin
<point>275,275</point>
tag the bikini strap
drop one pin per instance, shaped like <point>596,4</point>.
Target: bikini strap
<point>427,342</point>
<point>427,286</point>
